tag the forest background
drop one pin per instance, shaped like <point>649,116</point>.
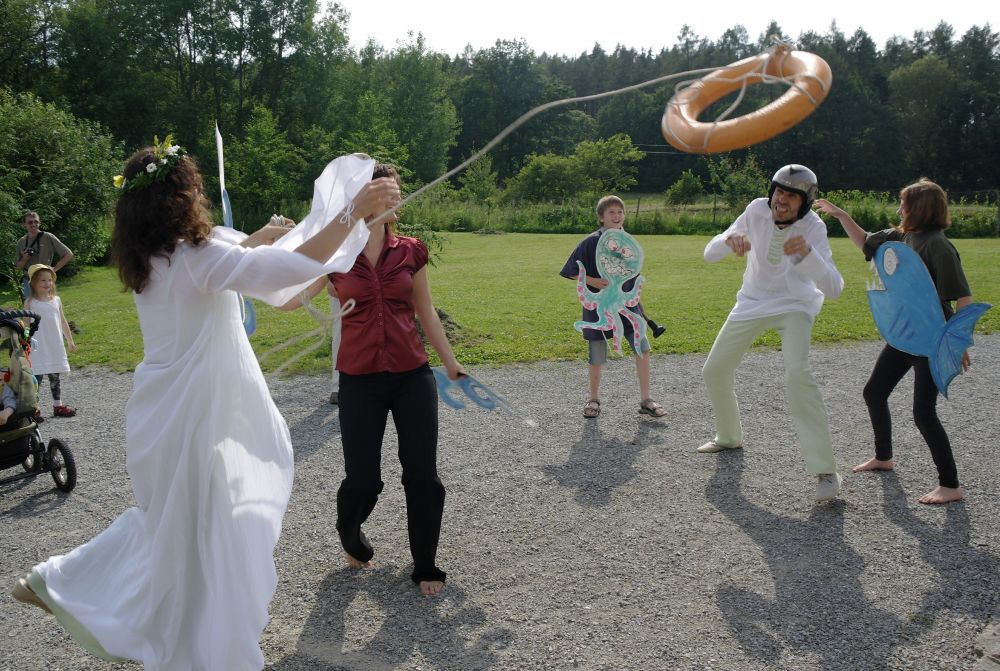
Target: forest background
<point>84,82</point>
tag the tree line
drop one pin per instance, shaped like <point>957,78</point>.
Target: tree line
<point>282,82</point>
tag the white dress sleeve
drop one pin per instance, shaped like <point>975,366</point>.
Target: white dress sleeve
<point>277,274</point>
<point>267,273</point>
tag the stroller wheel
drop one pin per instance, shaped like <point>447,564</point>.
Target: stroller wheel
<point>33,462</point>
<point>62,465</point>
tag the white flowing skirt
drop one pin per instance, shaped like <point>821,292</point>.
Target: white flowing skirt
<point>183,580</point>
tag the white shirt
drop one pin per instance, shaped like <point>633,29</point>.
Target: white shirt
<point>775,283</point>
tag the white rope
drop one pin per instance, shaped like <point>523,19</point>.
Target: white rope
<point>346,217</point>
<point>524,118</point>
<point>325,322</point>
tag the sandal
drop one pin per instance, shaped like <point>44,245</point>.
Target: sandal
<point>652,408</point>
<point>592,409</point>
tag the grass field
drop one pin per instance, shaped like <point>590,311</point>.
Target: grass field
<point>510,304</point>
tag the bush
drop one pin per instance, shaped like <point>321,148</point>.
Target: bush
<point>685,190</point>
<point>977,223</point>
<point>598,166</point>
<point>873,211</point>
<point>738,182</point>
<point>61,167</point>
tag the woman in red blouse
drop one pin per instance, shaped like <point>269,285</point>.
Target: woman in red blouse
<point>383,368</point>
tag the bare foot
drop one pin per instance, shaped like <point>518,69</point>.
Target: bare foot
<point>354,562</point>
<point>943,495</point>
<point>430,587</point>
<point>22,592</point>
<point>874,464</point>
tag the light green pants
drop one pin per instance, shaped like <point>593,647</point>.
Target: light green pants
<point>805,403</point>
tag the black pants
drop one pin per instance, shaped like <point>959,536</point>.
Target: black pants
<point>365,402</point>
<point>889,369</point>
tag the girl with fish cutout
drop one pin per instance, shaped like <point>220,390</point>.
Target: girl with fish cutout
<point>923,212</point>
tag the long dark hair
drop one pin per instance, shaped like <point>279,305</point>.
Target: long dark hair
<point>150,221</point>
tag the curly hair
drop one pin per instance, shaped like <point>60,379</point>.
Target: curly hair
<point>150,221</point>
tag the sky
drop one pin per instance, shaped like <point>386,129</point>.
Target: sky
<point>571,28</point>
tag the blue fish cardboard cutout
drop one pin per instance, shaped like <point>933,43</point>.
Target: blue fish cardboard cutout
<point>469,387</point>
<point>908,314</point>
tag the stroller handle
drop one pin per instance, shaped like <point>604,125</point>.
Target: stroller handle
<point>11,318</point>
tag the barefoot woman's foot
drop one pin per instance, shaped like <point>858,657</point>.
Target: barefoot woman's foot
<point>22,592</point>
<point>431,587</point>
<point>353,562</point>
<point>943,495</point>
<point>874,464</point>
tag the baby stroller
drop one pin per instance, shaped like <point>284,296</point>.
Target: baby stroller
<point>21,443</point>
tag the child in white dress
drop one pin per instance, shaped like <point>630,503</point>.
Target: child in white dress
<point>49,355</point>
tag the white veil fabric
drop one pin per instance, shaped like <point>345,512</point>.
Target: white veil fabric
<point>333,191</point>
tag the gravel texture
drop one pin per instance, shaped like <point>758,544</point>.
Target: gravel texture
<point>596,544</point>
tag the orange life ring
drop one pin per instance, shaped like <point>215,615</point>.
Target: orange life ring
<point>810,78</point>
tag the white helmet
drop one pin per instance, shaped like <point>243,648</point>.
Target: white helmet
<point>797,178</point>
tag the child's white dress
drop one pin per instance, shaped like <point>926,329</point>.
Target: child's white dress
<point>48,354</point>
<point>183,580</point>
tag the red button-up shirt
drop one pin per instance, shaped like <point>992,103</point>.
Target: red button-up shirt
<point>380,333</point>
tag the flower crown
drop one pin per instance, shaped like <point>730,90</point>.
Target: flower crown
<point>166,154</point>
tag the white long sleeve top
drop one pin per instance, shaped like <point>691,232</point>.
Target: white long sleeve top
<point>775,283</point>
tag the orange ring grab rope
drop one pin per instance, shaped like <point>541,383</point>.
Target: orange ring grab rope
<point>810,79</point>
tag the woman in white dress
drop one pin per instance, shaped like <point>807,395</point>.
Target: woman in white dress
<point>183,580</point>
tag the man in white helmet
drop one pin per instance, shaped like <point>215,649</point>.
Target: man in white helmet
<point>789,272</point>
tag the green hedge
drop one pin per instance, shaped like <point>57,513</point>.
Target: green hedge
<point>446,212</point>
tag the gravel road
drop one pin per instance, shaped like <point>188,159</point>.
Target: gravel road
<point>600,544</point>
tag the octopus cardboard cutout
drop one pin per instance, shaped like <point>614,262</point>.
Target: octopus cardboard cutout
<point>619,259</point>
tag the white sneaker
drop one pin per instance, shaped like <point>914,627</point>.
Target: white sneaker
<point>711,447</point>
<point>828,486</point>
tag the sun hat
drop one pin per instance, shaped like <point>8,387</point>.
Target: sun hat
<point>39,266</point>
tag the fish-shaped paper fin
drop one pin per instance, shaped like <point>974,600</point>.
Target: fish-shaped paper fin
<point>471,388</point>
<point>908,314</point>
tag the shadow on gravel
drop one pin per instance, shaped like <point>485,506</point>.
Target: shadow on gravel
<point>395,626</point>
<point>320,428</point>
<point>818,606</point>
<point>596,467</point>
<point>31,505</point>
<point>968,574</point>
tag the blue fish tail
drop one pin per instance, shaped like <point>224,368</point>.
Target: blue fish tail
<point>954,339</point>
<point>249,316</point>
<point>445,388</point>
